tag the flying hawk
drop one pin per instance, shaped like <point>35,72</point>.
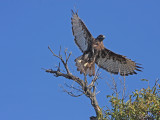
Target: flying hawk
<point>94,52</point>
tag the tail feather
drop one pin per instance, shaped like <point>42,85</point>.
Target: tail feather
<point>87,68</point>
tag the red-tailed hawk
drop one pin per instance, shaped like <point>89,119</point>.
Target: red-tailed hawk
<point>95,52</point>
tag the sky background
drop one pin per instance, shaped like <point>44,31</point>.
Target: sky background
<point>27,27</point>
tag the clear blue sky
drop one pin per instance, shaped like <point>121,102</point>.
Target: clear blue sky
<point>27,27</point>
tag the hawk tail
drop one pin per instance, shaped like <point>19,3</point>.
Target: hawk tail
<point>85,67</point>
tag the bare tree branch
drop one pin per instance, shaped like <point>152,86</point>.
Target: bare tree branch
<point>72,87</point>
<point>123,87</point>
<point>88,90</point>
<point>71,92</point>
<point>68,76</point>
<point>96,77</point>
<point>60,57</point>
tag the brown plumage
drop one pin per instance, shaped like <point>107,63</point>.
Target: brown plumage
<point>94,52</point>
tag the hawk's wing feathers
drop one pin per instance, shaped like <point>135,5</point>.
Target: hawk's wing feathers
<point>106,59</point>
<point>83,37</point>
<point>115,63</point>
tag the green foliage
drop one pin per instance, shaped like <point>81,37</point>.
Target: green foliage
<point>142,105</point>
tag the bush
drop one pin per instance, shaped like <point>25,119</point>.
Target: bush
<point>142,105</point>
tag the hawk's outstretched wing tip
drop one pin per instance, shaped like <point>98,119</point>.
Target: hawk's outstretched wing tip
<point>117,64</point>
<point>82,36</point>
<point>72,12</point>
<point>76,12</point>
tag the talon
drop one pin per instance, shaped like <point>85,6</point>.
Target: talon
<point>85,64</point>
<point>79,61</point>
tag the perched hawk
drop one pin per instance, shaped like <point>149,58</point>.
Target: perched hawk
<point>94,52</point>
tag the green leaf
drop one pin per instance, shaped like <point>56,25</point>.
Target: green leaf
<point>144,80</point>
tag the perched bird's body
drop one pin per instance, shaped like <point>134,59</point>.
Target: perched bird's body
<point>94,52</point>
<point>86,62</point>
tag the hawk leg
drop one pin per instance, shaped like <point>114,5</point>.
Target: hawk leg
<point>85,66</point>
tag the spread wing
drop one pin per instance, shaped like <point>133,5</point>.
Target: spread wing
<point>115,63</point>
<point>83,37</point>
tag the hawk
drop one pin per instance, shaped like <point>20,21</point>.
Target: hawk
<point>94,52</point>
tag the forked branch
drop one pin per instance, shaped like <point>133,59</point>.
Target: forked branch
<point>87,89</point>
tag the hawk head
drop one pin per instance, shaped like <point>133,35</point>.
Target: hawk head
<point>100,38</point>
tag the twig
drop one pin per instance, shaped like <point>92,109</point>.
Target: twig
<point>60,51</point>
<point>69,86</point>
<point>68,76</point>
<point>71,93</point>
<point>60,57</point>
<point>54,54</point>
<point>96,77</point>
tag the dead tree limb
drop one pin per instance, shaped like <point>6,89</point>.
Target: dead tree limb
<point>88,90</point>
